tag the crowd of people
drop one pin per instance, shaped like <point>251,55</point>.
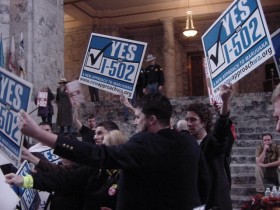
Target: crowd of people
<point>158,167</point>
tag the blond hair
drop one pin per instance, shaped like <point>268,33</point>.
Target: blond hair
<point>114,137</point>
<point>276,94</point>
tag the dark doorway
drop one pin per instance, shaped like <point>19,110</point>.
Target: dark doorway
<point>196,72</point>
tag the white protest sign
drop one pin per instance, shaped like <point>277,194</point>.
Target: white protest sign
<point>46,151</point>
<point>42,99</point>
<point>112,64</point>
<point>15,94</point>
<point>29,198</point>
<point>49,154</point>
<point>8,198</point>
<point>74,92</point>
<point>212,97</point>
<point>237,43</point>
<point>275,37</point>
<point>3,160</point>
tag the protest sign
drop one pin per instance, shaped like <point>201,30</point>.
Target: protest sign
<point>74,92</point>
<point>112,64</point>
<point>49,154</point>
<point>42,99</point>
<point>275,37</point>
<point>237,43</point>
<point>15,95</point>
<point>10,200</point>
<point>212,97</point>
<point>29,198</point>
<point>3,160</point>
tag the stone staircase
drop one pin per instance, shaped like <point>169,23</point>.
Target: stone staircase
<point>252,115</point>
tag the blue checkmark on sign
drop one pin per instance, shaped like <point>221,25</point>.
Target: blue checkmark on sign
<point>215,53</point>
<point>95,57</point>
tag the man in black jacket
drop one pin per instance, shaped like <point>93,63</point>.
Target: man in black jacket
<point>214,146</point>
<point>161,169</point>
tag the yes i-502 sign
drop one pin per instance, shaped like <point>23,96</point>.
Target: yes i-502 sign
<point>112,64</point>
<point>237,43</point>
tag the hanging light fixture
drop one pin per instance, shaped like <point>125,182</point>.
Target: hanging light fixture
<point>190,30</point>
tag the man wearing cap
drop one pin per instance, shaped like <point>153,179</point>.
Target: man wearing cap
<point>154,78</point>
<point>64,107</point>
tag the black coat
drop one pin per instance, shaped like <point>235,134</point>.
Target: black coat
<point>81,188</point>
<point>214,147</point>
<point>159,170</point>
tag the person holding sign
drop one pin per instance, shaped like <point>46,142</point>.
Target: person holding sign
<point>154,77</point>
<point>94,188</point>
<point>161,168</point>
<point>44,101</point>
<point>214,145</point>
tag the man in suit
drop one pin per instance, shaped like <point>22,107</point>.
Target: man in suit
<point>214,146</point>
<point>161,168</point>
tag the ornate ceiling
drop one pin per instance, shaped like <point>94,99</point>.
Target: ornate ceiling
<point>132,14</point>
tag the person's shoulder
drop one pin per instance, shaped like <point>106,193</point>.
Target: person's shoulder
<point>143,135</point>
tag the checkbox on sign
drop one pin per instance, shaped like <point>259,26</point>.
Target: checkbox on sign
<point>94,59</point>
<point>216,56</point>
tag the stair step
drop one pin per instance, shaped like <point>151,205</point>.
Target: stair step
<point>250,151</point>
<point>236,159</point>
<point>247,143</point>
<point>247,178</point>
<point>256,129</point>
<point>242,168</point>
<point>243,189</point>
<point>238,200</point>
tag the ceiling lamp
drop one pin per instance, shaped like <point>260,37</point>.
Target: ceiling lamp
<point>190,30</point>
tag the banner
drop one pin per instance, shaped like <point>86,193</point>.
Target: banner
<point>237,43</point>
<point>1,53</point>
<point>49,154</point>
<point>29,198</point>
<point>42,99</point>
<point>15,94</point>
<point>8,198</point>
<point>112,64</point>
<point>12,57</point>
<point>212,97</point>
<point>275,37</point>
<point>21,61</point>
<point>75,93</point>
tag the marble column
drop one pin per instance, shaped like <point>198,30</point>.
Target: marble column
<point>41,23</point>
<point>5,29</point>
<point>169,57</point>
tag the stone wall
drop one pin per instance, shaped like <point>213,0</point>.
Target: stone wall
<point>42,26</point>
<point>5,27</point>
